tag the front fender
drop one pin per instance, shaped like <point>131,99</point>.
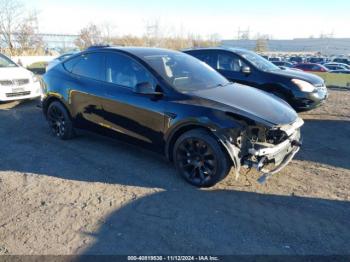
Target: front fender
<point>220,129</point>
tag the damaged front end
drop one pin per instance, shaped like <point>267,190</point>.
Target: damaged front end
<point>267,149</point>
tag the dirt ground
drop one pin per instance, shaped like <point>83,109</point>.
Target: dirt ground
<point>95,195</point>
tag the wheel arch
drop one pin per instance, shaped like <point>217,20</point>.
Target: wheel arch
<point>51,99</point>
<point>175,134</point>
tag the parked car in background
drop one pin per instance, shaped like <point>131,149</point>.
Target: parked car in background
<point>341,60</point>
<point>337,66</point>
<point>16,82</point>
<point>301,90</point>
<point>343,71</point>
<point>58,60</point>
<point>317,60</point>
<point>296,59</point>
<point>309,67</point>
<point>283,64</point>
<point>175,103</point>
<point>275,59</point>
<point>334,67</point>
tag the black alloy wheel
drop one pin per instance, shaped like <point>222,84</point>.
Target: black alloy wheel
<point>200,159</point>
<point>59,120</point>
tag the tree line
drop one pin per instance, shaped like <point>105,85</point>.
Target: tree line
<point>19,34</point>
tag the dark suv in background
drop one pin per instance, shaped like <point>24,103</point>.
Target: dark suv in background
<point>303,91</point>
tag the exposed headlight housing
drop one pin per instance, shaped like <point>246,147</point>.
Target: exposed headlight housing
<point>304,86</point>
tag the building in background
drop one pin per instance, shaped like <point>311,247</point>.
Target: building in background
<point>325,46</point>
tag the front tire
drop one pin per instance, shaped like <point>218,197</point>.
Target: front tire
<point>59,121</point>
<point>200,159</point>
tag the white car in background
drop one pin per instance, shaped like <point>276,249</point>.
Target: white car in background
<point>58,60</point>
<point>16,82</point>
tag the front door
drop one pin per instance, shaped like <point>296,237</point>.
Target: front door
<point>230,66</point>
<point>123,110</point>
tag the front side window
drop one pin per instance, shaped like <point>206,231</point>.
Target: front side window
<point>258,61</point>
<point>86,65</point>
<point>230,62</point>
<point>184,72</point>
<point>6,62</point>
<point>124,71</point>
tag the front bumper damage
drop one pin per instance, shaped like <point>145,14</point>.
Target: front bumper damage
<point>278,155</point>
<point>266,158</point>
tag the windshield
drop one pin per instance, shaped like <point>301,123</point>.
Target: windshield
<point>6,62</point>
<point>184,72</point>
<point>258,61</point>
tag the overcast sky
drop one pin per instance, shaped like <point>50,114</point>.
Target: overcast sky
<point>282,19</point>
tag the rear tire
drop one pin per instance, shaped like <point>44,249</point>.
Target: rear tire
<point>200,159</point>
<point>59,121</point>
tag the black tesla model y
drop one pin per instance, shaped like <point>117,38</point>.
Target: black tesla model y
<point>173,102</point>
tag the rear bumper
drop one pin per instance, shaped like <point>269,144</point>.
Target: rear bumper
<point>32,90</point>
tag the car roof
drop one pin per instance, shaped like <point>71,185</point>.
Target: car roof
<point>137,51</point>
<point>335,63</point>
<point>224,48</point>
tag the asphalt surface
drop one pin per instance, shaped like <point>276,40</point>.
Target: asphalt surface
<point>95,195</point>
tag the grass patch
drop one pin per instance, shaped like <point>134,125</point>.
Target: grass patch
<point>336,80</point>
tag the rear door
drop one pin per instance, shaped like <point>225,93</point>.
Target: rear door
<point>85,90</point>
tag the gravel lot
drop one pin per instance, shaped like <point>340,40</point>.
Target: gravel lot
<point>94,195</point>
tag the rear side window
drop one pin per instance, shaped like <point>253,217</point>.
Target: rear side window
<point>206,57</point>
<point>86,65</point>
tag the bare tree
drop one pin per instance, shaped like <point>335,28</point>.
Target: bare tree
<point>27,36</point>
<point>108,32</point>
<point>154,36</point>
<point>88,36</point>
<point>11,16</point>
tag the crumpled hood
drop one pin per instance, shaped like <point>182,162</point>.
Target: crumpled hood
<point>250,102</point>
<point>10,73</point>
<point>311,78</point>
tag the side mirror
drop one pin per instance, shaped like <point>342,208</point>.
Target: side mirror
<point>146,88</point>
<point>246,70</point>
